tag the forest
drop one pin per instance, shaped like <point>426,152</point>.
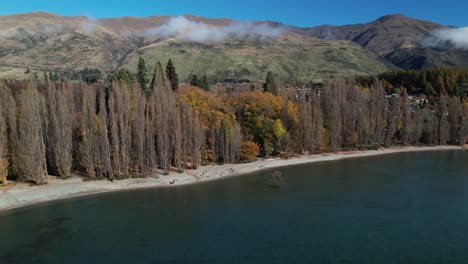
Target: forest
<point>129,128</point>
<point>431,82</point>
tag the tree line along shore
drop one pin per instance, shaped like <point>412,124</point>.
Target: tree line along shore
<point>137,128</point>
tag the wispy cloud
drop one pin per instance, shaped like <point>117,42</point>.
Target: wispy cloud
<point>89,23</point>
<point>456,37</point>
<point>188,30</point>
<point>327,34</point>
<point>52,28</point>
<point>5,33</point>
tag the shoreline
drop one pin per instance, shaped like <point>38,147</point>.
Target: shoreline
<point>21,194</point>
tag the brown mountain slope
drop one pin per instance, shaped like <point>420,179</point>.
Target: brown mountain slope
<point>381,36</point>
<point>397,38</point>
<point>48,42</point>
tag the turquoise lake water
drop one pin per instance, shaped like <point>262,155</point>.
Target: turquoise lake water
<point>399,208</point>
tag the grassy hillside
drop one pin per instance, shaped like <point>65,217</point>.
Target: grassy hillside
<point>290,60</point>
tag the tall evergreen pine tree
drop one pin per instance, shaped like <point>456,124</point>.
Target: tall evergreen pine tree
<point>141,75</point>
<point>172,75</point>
<point>270,85</point>
<point>194,81</point>
<point>204,83</point>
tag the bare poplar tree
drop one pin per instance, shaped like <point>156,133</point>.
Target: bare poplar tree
<point>318,123</point>
<point>226,142</point>
<point>454,118</point>
<point>393,115</point>
<point>311,123</point>
<point>332,98</point>
<point>60,127</point>
<point>4,164</point>
<point>430,127</point>
<point>150,156</point>
<point>405,119</point>
<point>102,156</point>
<point>443,118</point>
<point>31,152</point>
<point>198,139</point>
<point>177,155</point>
<point>137,123</point>
<point>350,116</point>
<point>114,135</point>
<point>377,110</point>
<point>165,117</point>
<point>9,135</point>
<point>191,133</point>
<point>185,132</point>
<point>364,117</point>
<point>307,125</point>
<point>120,129</point>
<point>416,127</point>
<point>88,130</point>
<point>464,125</point>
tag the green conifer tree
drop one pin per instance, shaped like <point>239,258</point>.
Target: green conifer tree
<point>141,74</point>
<point>270,84</point>
<point>172,75</point>
<point>204,83</point>
<point>194,81</point>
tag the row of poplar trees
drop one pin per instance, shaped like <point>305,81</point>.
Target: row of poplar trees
<point>343,115</point>
<point>123,130</point>
<point>117,131</point>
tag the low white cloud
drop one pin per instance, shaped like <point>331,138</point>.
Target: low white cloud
<point>456,37</point>
<point>188,30</point>
<point>5,33</point>
<point>19,32</point>
<point>52,28</point>
<point>89,24</point>
<point>327,34</point>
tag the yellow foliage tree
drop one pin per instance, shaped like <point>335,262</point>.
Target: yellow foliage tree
<point>278,129</point>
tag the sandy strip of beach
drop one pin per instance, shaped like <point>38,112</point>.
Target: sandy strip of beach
<point>22,194</point>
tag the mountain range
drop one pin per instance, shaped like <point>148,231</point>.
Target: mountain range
<point>223,48</point>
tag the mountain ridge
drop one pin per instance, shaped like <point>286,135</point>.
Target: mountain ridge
<point>45,41</point>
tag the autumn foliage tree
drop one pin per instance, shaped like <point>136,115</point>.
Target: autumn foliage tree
<point>249,151</point>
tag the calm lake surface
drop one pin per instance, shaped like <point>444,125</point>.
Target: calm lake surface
<point>400,208</point>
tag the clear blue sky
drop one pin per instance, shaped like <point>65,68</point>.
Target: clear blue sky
<point>293,12</point>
